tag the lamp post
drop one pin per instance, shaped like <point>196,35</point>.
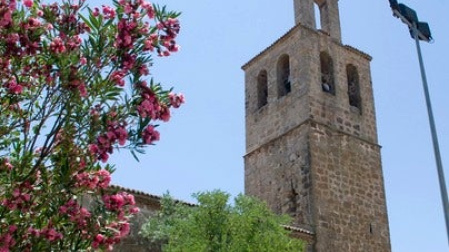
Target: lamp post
<point>420,31</point>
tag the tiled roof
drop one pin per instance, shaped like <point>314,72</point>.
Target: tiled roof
<point>144,194</point>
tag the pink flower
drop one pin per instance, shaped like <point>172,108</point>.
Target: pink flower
<point>176,99</point>
<point>134,210</point>
<point>150,135</point>
<point>9,166</point>
<point>99,238</point>
<point>33,232</point>
<point>150,11</point>
<point>12,228</point>
<point>82,89</point>
<point>105,178</point>
<point>51,234</point>
<point>93,149</point>
<point>128,9</point>
<point>164,113</point>
<point>124,229</point>
<point>93,180</point>
<point>96,12</point>
<point>34,23</point>
<point>74,42</point>
<point>83,61</point>
<point>148,45</point>
<point>57,45</point>
<point>28,3</point>
<point>143,70</point>
<point>103,157</point>
<point>14,87</point>
<point>117,77</point>
<point>122,135</point>
<point>108,12</point>
<point>6,19</point>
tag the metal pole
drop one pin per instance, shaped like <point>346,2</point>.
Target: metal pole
<point>433,130</point>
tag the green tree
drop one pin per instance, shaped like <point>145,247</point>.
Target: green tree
<point>215,225</point>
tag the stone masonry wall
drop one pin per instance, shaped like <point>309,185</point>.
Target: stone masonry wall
<point>279,173</point>
<point>306,99</point>
<point>149,205</point>
<point>334,110</point>
<point>348,193</point>
<point>309,153</point>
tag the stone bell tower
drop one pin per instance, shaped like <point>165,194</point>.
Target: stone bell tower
<point>311,139</point>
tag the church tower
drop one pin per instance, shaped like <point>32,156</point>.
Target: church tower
<point>311,140</point>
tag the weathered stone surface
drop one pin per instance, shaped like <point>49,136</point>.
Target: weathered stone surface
<point>149,206</point>
<point>311,154</point>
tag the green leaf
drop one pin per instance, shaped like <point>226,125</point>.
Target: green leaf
<point>86,21</point>
<point>133,153</point>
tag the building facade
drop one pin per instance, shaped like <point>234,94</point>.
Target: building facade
<point>311,139</point>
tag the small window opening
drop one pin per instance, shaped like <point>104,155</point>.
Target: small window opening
<point>262,89</point>
<point>327,73</point>
<point>353,86</point>
<point>283,73</point>
<point>317,12</point>
<point>371,230</point>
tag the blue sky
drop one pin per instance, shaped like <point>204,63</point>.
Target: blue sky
<point>201,148</point>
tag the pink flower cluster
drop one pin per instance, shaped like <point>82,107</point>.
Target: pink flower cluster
<point>129,29</point>
<point>7,240</point>
<point>74,42</point>
<point>148,7</point>
<point>77,214</point>
<point>150,106</point>
<point>20,198</point>
<point>150,135</point>
<point>50,234</point>
<point>13,87</point>
<point>117,77</point>
<point>121,229</point>
<point>108,12</point>
<point>57,46</point>
<point>170,29</point>
<point>151,42</point>
<point>122,204</point>
<point>6,10</point>
<point>176,99</point>
<point>126,35</point>
<point>81,88</point>
<point>6,165</point>
<point>104,145</point>
<point>21,43</point>
<point>93,180</point>
<point>118,201</point>
<point>28,3</point>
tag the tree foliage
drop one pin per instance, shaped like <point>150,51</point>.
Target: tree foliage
<point>214,225</point>
<point>73,89</point>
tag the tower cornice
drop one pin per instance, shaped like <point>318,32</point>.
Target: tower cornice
<point>295,29</point>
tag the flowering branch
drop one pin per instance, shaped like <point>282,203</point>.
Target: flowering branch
<point>72,90</point>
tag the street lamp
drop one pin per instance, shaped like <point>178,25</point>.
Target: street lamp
<point>421,31</point>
